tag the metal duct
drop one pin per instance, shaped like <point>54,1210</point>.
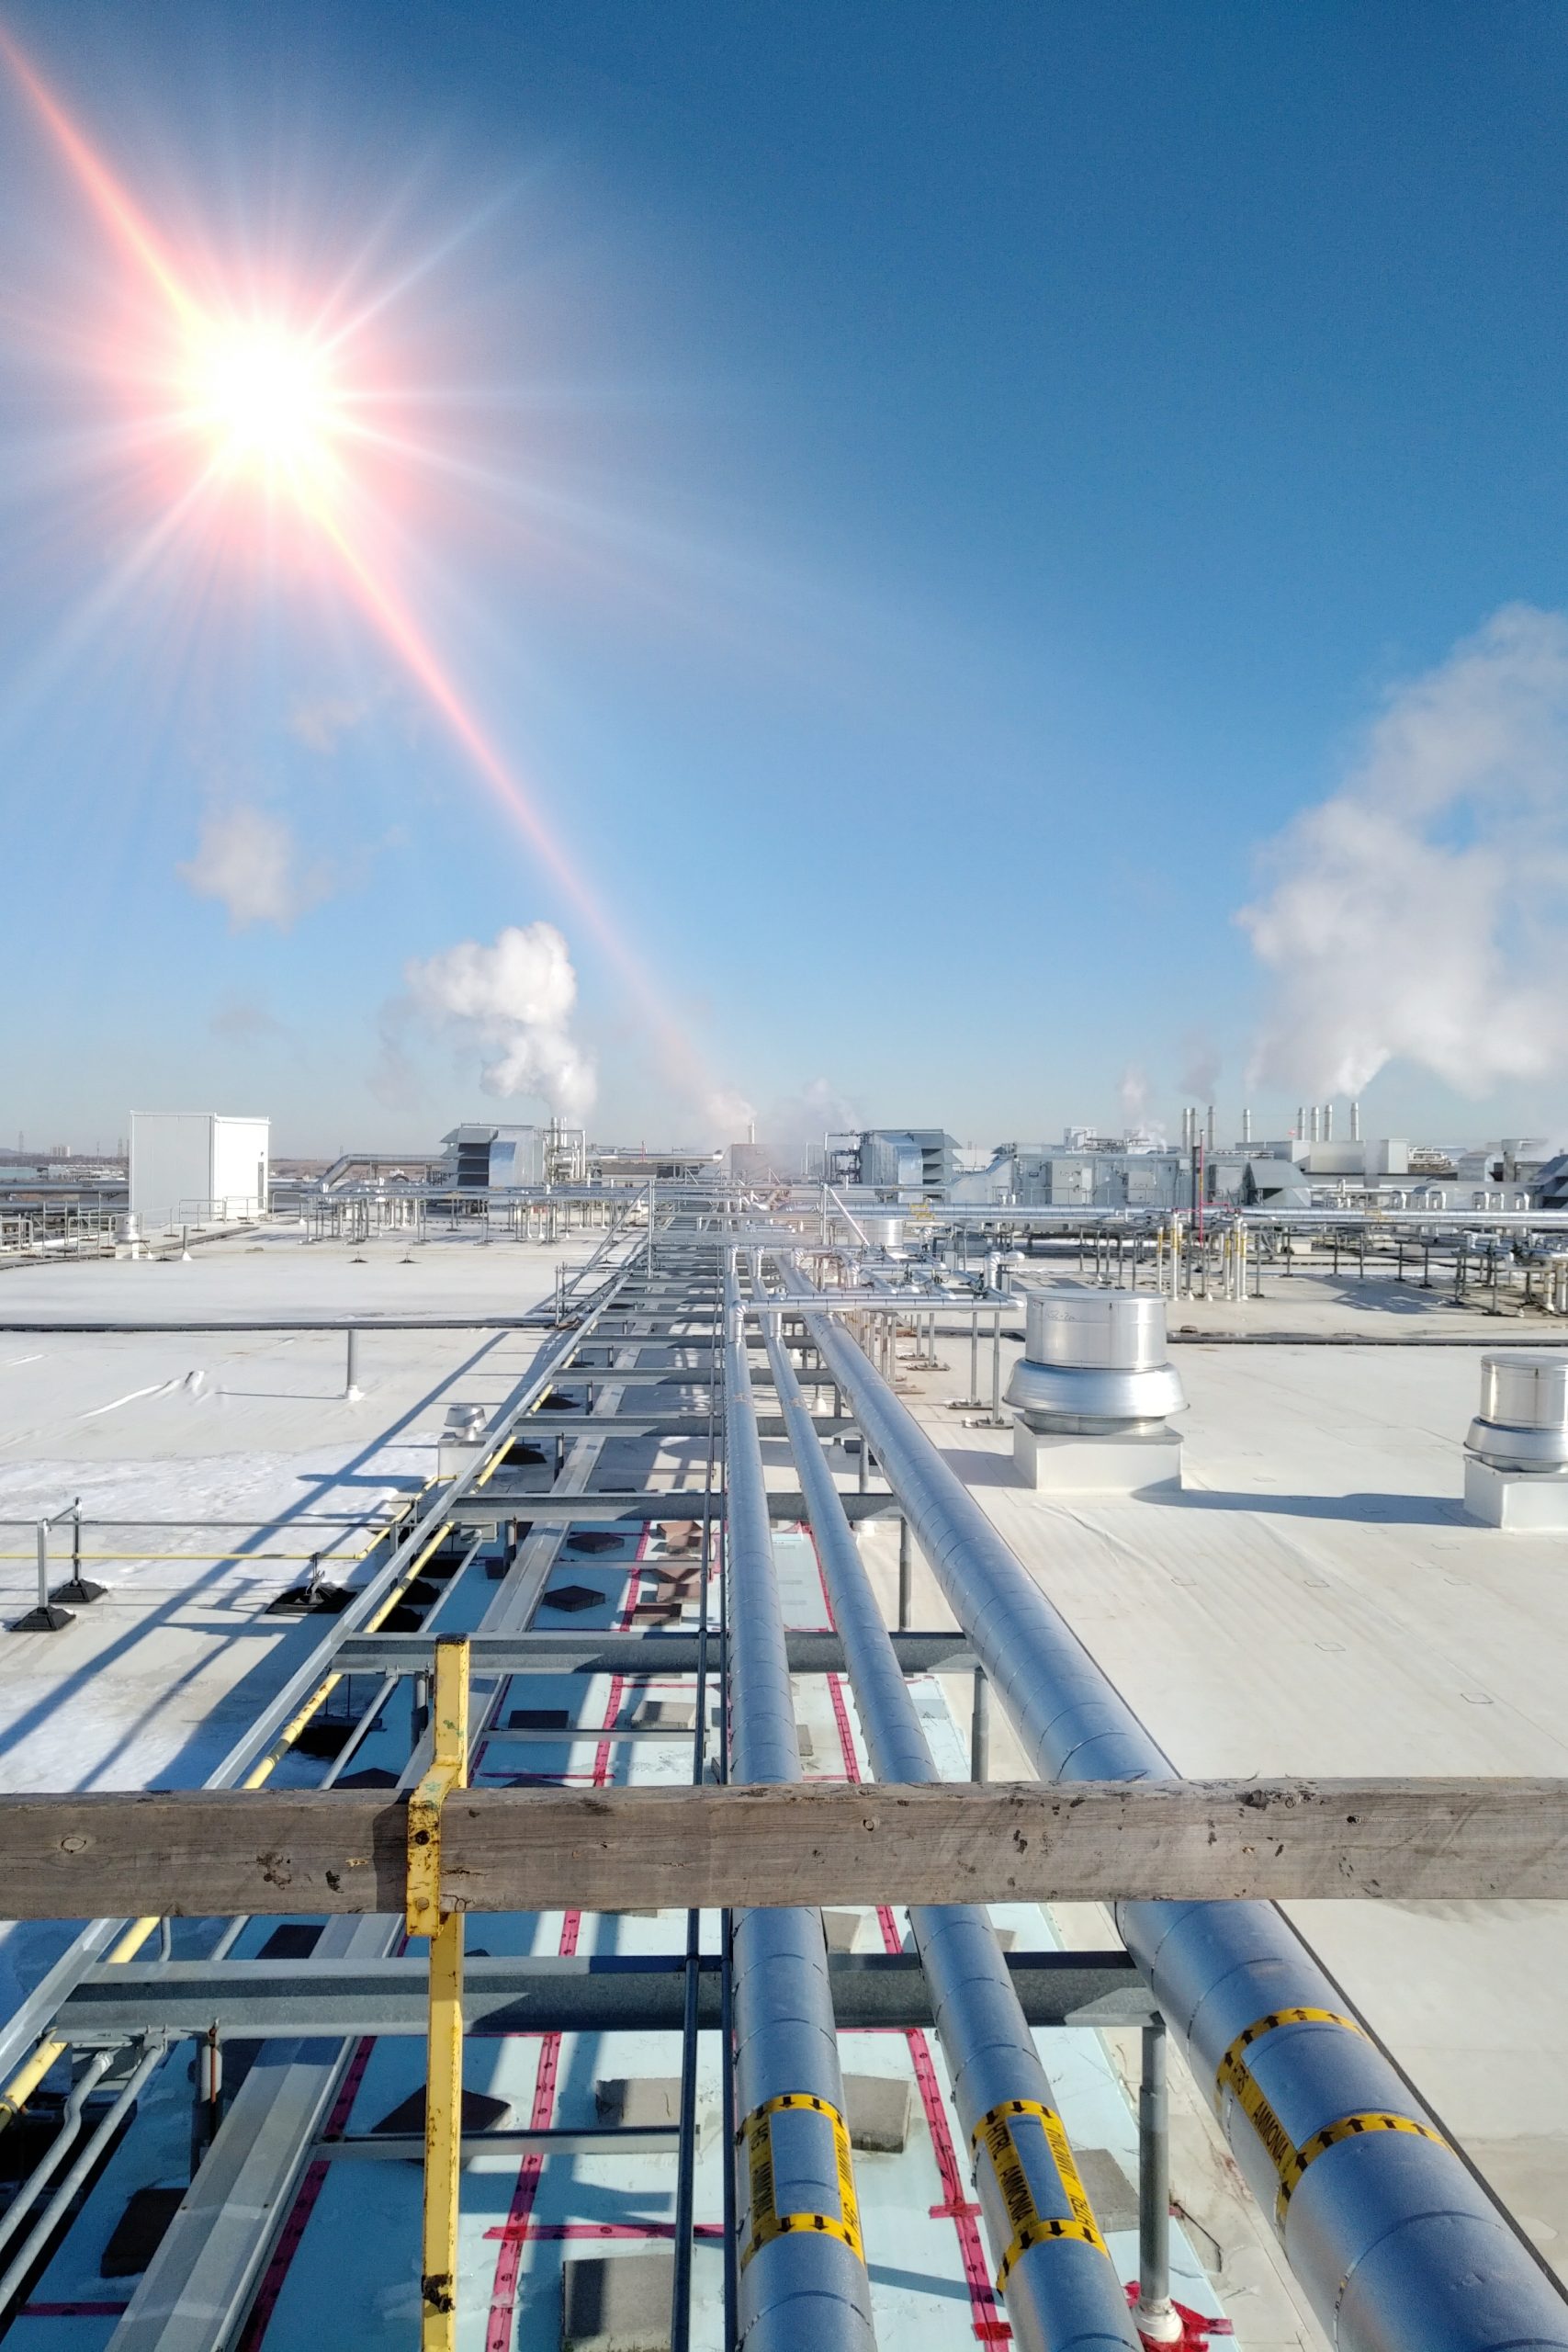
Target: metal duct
<point>1062,2294</point>
<point>1397,2247</point>
<point>803,2277</point>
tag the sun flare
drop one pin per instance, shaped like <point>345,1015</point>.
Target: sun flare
<point>266,400</point>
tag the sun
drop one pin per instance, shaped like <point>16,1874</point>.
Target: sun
<point>265,398</point>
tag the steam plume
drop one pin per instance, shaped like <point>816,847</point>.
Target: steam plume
<point>515,1000</point>
<point>1421,912</point>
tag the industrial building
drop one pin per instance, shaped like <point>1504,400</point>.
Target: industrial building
<point>893,1163</point>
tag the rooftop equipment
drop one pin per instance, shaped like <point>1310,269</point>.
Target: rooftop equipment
<point>1515,1466</point>
<point>1093,1394</point>
<point>196,1168</point>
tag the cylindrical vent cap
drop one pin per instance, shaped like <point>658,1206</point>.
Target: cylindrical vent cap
<point>1097,1330</point>
<point>1523,1420</point>
<point>1095,1362</point>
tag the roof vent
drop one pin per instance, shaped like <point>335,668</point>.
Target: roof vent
<point>1523,1421</point>
<point>1095,1364</point>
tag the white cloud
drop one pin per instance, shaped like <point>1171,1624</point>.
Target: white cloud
<point>245,1021</point>
<point>1421,914</point>
<point>319,724</point>
<point>514,1000</point>
<point>250,862</point>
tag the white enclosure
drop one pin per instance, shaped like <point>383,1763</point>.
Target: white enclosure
<point>197,1167</point>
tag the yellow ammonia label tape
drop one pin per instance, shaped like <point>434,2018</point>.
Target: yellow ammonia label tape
<point>767,2221</point>
<point>1289,2161</point>
<point>1349,2126</point>
<point>1231,2070</point>
<point>1029,2226</point>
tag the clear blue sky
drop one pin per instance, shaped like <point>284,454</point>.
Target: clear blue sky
<point>928,492</point>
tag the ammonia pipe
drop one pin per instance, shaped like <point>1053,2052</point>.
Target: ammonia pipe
<point>800,2284</point>
<point>1397,2247</point>
<point>37,2237</point>
<point>1062,2294</point>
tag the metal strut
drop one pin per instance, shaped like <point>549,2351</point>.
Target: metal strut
<point>444,2076</point>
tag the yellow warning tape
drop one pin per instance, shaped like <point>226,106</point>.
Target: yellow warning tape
<point>1289,2161</point>
<point>1029,2226</point>
<point>1352,2127</point>
<point>1230,2072</point>
<point>767,2221</point>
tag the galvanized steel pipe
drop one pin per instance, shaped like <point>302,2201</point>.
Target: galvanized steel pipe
<point>1395,2243</point>
<point>799,2284</point>
<point>1062,2294</point>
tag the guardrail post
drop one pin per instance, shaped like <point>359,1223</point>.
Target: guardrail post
<point>77,1588</point>
<point>444,2074</point>
<point>47,1616</point>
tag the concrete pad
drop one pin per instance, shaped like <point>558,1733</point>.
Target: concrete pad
<point>573,1598</point>
<point>633,2102</point>
<point>1059,1463</point>
<point>1513,1498</point>
<point>842,1928</point>
<point>877,2109</point>
<point>669,1714</point>
<point>138,2232</point>
<point>1114,2197</point>
<point>617,2302</point>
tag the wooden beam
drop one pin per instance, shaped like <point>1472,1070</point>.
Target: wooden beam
<point>223,1853</point>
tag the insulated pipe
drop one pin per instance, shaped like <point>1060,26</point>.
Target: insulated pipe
<point>1398,2247</point>
<point>59,2148</point>
<point>803,2277</point>
<point>1063,2294</point>
<point>49,2221</point>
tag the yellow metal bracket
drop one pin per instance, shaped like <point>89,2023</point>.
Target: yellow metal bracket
<point>443,2077</point>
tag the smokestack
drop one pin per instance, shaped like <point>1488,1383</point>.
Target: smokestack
<point>1210,1131</point>
<point>1316,1119</point>
<point>1328,1123</point>
<point>751,1131</point>
<point>1245,1124</point>
<point>1355,1122</point>
<point>1298,1130</point>
<point>1186,1126</point>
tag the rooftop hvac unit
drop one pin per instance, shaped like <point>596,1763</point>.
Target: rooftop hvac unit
<point>198,1168</point>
